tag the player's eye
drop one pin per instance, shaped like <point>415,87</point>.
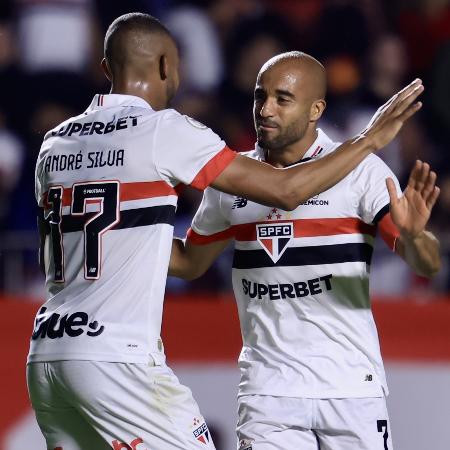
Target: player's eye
<point>259,96</point>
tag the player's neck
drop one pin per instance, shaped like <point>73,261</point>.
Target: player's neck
<point>291,154</point>
<point>140,88</point>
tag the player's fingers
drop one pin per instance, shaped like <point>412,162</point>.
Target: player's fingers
<point>405,102</point>
<point>422,178</point>
<point>405,115</point>
<point>430,183</point>
<point>415,174</point>
<point>405,92</point>
<point>391,190</point>
<point>433,197</point>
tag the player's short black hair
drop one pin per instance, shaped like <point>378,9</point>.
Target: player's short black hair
<point>136,21</point>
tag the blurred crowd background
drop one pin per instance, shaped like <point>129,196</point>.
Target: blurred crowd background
<point>50,53</point>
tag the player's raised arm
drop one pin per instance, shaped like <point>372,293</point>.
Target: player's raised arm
<point>287,188</point>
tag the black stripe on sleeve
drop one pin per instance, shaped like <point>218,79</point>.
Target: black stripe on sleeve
<point>129,218</point>
<point>305,256</point>
<point>380,214</point>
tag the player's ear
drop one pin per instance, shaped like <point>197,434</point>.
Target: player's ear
<point>317,108</point>
<point>106,69</point>
<point>163,67</point>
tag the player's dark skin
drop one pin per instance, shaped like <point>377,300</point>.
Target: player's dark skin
<point>289,100</point>
<point>144,63</point>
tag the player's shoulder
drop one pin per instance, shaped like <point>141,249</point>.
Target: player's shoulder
<point>55,132</point>
<point>172,119</point>
<point>373,162</point>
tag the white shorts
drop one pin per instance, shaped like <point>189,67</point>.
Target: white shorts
<point>284,423</point>
<point>89,405</point>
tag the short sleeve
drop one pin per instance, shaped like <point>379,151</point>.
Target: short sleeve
<point>369,184</point>
<point>210,223</point>
<point>38,179</point>
<point>187,151</point>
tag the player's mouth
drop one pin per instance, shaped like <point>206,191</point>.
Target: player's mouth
<point>267,126</point>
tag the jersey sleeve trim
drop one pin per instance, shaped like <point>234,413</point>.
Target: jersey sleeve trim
<point>388,231</point>
<point>381,214</point>
<point>200,239</point>
<point>213,168</point>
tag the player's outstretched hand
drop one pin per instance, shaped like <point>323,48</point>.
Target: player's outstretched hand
<point>411,212</point>
<point>390,117</point>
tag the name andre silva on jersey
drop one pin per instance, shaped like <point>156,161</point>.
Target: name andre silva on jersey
<point>90,160</point>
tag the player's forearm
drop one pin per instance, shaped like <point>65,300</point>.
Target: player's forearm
<point>180,265</point>
<point>421,253</point>
<point>306,180</point>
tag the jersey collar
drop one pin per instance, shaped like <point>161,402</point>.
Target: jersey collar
<point>315,151</point>
<point>102,101</point>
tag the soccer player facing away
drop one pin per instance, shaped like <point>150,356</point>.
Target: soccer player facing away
<point>311,370</point>
<point>106,184</point>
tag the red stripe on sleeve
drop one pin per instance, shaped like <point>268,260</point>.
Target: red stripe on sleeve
<point>128,191</point>
<point>199,239</point>
<point>388,231</point>
<point>213,168</point>
<point>139,191</point>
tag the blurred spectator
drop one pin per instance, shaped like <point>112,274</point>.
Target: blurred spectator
<point>11,159</point>
<point>54,35</point>
<point>14,83</point>
<point>425,27</point>
<point>201,51</point>
<point>439,95</point>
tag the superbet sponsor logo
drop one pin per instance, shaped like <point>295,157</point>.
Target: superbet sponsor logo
<point>54,326</point>
<point>135,444</point>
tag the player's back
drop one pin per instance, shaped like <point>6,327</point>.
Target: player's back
<point>109,208</point>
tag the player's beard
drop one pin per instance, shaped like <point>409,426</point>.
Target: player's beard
<point>287,136</point>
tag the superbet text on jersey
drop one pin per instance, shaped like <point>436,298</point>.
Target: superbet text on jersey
<point>301,282</point>
<point>106,184</point>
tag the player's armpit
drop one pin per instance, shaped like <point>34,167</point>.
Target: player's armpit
<point>190,261</point>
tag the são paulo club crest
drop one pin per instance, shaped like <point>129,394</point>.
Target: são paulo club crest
<point>245,444</point>
<point>274,238</point>
<point>200,431</point>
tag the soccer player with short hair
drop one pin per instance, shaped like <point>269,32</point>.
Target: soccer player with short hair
<point>311,370</point>
<point>106,185</point>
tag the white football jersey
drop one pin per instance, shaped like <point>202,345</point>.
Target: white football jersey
<point>106,181</point>
<point>301,281</point>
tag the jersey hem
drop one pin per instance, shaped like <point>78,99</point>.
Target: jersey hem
<point>141,359</point>
<point>382,392</point>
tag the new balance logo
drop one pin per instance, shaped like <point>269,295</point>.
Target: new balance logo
<point>239,202</point>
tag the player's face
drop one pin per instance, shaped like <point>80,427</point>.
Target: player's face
<point>281,108</point>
